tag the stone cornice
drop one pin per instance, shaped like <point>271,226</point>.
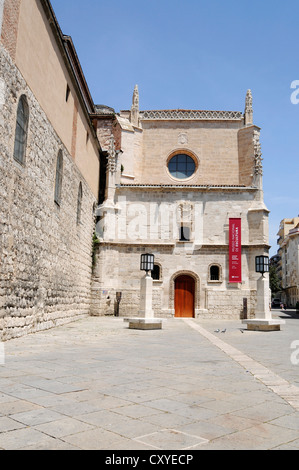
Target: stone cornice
<point>173,244</point>
<point>186,187</point>
<point>136,243</point>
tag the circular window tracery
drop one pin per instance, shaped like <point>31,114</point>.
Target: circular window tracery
<point>181,166</point>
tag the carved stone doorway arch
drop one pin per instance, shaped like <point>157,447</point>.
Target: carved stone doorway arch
<point>196,290</point>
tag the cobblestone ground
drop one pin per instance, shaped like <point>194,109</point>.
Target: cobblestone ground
<point>95,384</point>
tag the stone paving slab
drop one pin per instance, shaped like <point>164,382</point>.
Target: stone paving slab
<point>96,384</point>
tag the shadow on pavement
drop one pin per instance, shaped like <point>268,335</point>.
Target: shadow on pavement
<point>291,313</point>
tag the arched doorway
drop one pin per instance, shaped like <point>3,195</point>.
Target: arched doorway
<point>184,298</point>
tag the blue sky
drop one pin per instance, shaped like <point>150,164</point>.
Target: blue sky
<point>200,54</point>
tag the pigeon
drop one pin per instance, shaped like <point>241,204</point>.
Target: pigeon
<point>217,331</point>
<point>223,331</point>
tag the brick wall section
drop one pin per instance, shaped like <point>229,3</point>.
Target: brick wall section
<point>10,26</point>
<point>105,129</point>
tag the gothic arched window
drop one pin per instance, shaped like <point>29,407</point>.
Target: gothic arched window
<point>58,178</point>
<point>21,130</point>
<point>79,203</point>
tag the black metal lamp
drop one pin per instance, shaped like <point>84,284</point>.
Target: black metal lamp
<point>147,262</point>
<point>262,264</point>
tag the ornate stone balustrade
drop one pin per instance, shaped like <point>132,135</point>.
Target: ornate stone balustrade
<point>178,114</point>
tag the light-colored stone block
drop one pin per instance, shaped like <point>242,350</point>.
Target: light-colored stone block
<point>262,324</point>
<point>145,323</point>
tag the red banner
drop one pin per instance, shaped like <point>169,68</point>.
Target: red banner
<point>235,248</point>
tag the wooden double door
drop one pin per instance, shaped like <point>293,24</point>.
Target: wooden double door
<point>184,296</point>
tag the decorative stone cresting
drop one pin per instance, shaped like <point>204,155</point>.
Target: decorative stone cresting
<point>196,115</point>
<point>258,166</point>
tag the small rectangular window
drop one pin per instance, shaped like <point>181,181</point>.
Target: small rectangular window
<point>67,94</point>
<point>156,273</point>
<point>184,234</point>
<point>214,273</point>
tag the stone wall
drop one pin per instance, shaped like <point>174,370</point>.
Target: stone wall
<point>290,270</point>
<point>212,299</point>
<point>45,270</point>
<point>246,154</point>
<point>213,145</point>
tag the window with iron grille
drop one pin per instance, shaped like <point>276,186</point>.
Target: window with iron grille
<point>156,273</point>
<point>214,273</point>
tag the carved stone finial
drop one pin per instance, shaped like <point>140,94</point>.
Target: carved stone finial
<point>248,109</point>
<point>111,160</point>
<point>136,97</point>
<point>135,107</point>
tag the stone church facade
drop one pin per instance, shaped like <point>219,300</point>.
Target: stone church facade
<point>176,180</point>
<point>167,182</point>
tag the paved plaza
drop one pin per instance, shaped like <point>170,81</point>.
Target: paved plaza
<point>95,384</point>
